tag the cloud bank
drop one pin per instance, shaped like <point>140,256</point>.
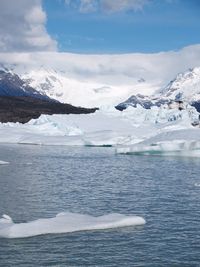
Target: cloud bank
<point>122,69</point>
<point>22,27</point>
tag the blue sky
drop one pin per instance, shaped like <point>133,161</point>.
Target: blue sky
<point>86,26</point>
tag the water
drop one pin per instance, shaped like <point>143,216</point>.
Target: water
<point>41,181</point>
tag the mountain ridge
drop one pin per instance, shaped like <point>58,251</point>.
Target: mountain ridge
<point>20,102</point>
<point>185,87</point>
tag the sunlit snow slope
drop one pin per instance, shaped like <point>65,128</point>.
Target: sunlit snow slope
<point>185,86</point>
<point>83,92</point>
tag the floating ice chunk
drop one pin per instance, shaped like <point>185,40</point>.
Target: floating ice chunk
<point>184,142</point>
<point>65,223</point>
<point>173,148</point>
<point>3,162</point>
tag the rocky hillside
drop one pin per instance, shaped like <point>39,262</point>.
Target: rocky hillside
<point>23,109</point>
<point>19,102</point>
<point>12,85</point>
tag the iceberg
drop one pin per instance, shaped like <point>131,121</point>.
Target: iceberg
<point>172,143</point>
<point>65,222</point>
<point>3,162</point>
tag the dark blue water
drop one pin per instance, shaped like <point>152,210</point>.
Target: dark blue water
<point>40,182</point>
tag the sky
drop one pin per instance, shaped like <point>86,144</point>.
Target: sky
<point>98,26</point>
<point>123,26</point>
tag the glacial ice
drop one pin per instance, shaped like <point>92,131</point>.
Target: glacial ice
<point>65,222</point>
<point>86,91</point>
<point>134,130</point>
<point>185,142</point>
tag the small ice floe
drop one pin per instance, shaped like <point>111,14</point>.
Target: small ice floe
<point>197,184</point>
<point>65,223</point>
<point>3,162</point>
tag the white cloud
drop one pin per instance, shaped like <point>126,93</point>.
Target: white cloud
<point>22,27</point>
<point>120,5</point>
<point>87,6</point>
<point>108,6</point>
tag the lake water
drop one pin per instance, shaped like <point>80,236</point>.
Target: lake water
<point>42,181</point>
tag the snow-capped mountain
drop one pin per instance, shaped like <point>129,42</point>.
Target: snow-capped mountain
<point>12,85</point>
<point>185,87</point>
<point>145,101</point>
<point>20,102</point>
<point>61,86</point>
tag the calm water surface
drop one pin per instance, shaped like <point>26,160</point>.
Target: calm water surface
<point>41,181</point>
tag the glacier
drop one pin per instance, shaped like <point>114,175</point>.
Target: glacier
<point>133,130</point>
<point>65,222</point>
<point>83,92</point>
<point>88,93</point>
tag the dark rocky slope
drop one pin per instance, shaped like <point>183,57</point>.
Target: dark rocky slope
<point>20,103</point>
<point>24,108</point>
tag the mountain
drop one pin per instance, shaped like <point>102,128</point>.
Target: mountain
<point>67,88</point>
<point>20,102</point>
<point>12,85</point>
<point>145,101</point>
<point>56,85</point>
<point>81,88</point>
<point>185,88</point>
<point>60,86</point>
